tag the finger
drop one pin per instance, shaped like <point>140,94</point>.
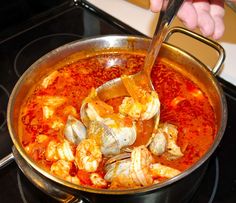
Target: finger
<point>217,13</point>
<point>188,15</point>
<point>155,5</point>
<point>205,21</point>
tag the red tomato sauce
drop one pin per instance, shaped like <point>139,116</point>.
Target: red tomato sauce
<point>182,104</point>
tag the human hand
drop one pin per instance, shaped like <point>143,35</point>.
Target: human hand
<point>207,15</point>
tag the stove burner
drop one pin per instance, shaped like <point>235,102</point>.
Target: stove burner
<point>28,192</point>
<point>4,96</point>
<point>2,119</point>
<point>38,47</point>
<point>208,187</point>
<point>20,187</point>
<point>216,181</point>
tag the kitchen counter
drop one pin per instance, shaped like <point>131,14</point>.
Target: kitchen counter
<point>144,21</point>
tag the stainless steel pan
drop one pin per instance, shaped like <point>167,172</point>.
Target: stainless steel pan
<point>177,189</point>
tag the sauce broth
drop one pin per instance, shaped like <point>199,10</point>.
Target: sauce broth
<point>183,104</point>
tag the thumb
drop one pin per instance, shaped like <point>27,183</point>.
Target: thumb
<point>155,5</point>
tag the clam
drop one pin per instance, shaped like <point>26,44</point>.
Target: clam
<point>75,130</point>
<point>111,136</point>
<point>88,113</point>
<point>118,168</point>
<point>118,157</point>
<point>164,141</point>
<point>93,108</point>
<point>130,167</point>
<point>158,144</point>
<point>118,165</point>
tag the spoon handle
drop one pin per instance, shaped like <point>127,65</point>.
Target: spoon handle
<point>168,11</point>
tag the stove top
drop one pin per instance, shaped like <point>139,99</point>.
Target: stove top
<point>21,46</point>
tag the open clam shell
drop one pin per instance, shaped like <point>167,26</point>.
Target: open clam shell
<point>75,130</point>
<point>111,139</point>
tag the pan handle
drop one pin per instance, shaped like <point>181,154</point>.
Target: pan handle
<point>6,160</point>
<point>221,52</point>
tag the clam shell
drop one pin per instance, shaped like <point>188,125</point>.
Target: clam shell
<point>111,139</point>
<point>117,168</point>
<point>75,130</point>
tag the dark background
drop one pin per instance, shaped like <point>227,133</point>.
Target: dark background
<point>15,12</point>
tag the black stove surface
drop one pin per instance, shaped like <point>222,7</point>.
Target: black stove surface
<point>67,22</point>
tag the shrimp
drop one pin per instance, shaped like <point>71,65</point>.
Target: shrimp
<point>65,152</point>
<point>50,79</point>
<point>173,150</point>
<point>56,151</point>
<point>61,168</point>
<point>143,104</point>
<point>47,112</point>
<point>57,123</point>
<point>141,159</point>
<point>73,179</point>
<point>70,110</point>
<point>159,170</point>
<point>88,155</point>
<point>36,149</point>
<point>49,104</point>
<point>149,107</point>
<point>41,138</point>
<point>97,180</point>
<point>52,101</point>
<point>165,142</point>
